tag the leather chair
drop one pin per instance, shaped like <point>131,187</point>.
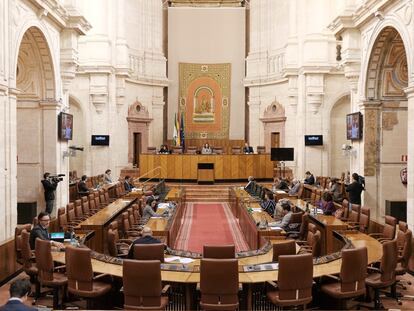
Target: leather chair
<point>142,285</point>
<point>313,241</point>
<point>176,150</point>
<point>46,271</point>
<point>219,251</point>
<point>151,150</point>
<point>117,247</point>
<point>261,149</point>
<point>218,150</point>
<point>236,150</point>
<point>191,149</point>
<point>404,244</point>
<point>18,240</point>
<point>354,215</point>
<point>384,276</point>
<point>28,261</point>
<point>219,284</point>
<point>149,251</point>
<point>81,281</point>
<point>62,219</point>
<point>388,231</point>
<point>108,200</point>
<point>303,229</point>
<point>287,247</point>
<point>351,281</point>
<point>129,232</point>
<point>364,219</point>
<point>294,283</point>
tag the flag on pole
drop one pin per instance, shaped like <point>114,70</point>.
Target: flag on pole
<point>182,141</point>
<point>177,126</point>
<point>175,133</point>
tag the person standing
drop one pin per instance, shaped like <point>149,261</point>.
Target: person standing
<point>49,185</point>
<point>355,189</point>
<point>19,290</point>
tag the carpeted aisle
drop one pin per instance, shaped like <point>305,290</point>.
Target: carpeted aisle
<point>209,223</point>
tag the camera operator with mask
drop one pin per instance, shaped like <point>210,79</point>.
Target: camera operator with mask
<point>50,184</point>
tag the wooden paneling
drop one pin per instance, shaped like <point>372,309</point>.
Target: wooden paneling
<point>226,144</point>
<point>8,264</point>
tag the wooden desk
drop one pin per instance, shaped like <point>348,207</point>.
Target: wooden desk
<point>226,166</point>
<point>100,221</point>
<point>326,225</point>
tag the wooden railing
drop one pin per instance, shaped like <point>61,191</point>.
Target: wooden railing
<point>157,175</point>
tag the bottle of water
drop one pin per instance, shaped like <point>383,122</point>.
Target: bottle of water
<point>73,240</point>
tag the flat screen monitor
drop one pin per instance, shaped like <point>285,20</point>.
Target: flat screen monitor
<point>313,140</point>
<point>354,126</point>
<point>281,154</point>
<point>100,140</point>
<point>65,126</point>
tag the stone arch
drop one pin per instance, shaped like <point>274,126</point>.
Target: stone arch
<point>273,120</point>
<point>138,124</point>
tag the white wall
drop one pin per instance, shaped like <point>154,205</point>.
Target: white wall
<point>208,35</point>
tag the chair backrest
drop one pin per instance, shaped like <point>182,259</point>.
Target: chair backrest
<point>261,149</point>
<point>345,207</point>
<point>300,191</point>
<point>406,248</point>
<point>62,219</point>
<point>125,221</point>
<point>313,239</point>
<point>303,231</point>
<point>295,276</point>
<point>149,251</point>
<point>25,250</point>
<point>142,283</point>
<point>355,213</point>
<point>287,247</point>
<point>389,261</point>
<point>111,239</point>
<point>389,227</point>
<point>219,251</point>
<point>218,150</point>
<point>151,150</point>
<point>236,150</point>
<point>296,218</point>
<point>219,283</point>
<point>79,269</point>
<point>177,150</point>
<point>354,269</point>
<point>44,261</point>
<point>17,237</point>
<point>192,149</point>
<point>364,219</point>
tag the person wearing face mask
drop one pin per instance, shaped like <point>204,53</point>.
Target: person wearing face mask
<point>107,177</point>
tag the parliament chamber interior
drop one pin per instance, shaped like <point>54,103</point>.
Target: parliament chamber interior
<point>206,154</point>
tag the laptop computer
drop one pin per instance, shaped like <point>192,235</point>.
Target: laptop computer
<point>57,236</point>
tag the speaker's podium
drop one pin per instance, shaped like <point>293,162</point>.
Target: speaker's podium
<point>205,173</point>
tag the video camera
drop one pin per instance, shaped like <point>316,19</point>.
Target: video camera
<point>56,178</point>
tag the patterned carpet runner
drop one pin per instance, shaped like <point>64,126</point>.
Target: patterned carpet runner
<point>209,223</point>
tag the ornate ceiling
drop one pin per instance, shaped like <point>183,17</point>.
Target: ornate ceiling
<point>208,3</point>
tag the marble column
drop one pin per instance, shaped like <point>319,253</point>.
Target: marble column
<point>255,138</point>
<point>410,152</point>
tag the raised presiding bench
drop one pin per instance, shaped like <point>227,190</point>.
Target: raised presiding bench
<point>225,166</point>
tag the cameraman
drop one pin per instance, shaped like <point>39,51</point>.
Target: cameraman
<point>50,185</point>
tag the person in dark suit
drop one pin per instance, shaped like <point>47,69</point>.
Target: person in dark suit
<point>249,186</point>
<point>164,149</point>
<point>247,148</point>
<point>146,238</point>
<point>82,187</point>
<point>41,231</point>
<point>309,179</point>
<point>355,189</point>
<point>49,185</point>
<point>19,290</point>
<point>128,184</point>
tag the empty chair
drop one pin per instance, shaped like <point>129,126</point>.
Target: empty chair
<point>287,247</point>
<point>142,285</point>
<point>129,232</point>
<point>176,150</point>
<point>219,284</point>
<point>384,276</point>
<point>312,243</point>
<point>117,247</point>
<point>404,244</point>
<point>303,229</point>
<point>149,251</point>
<point>294,283</point>
<point>28,261</point>
<point>236,150</point>
<point>388,231</point>
<point>364,219</point>
<point>62,219</point>
<point>152,150</point>
<point>219,251</point>
<point>218,150</point>
<point>351,281</point>
<point>354,215</point>
<point>46,271</point>
<point>261,149</point>
<point>18,240</point>
<point>81,281</point>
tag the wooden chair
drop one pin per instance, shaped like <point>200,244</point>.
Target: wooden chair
<point>261,149</point>
<point>151,150</point>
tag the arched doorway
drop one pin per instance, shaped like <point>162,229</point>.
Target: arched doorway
<point>36,117</point>
<point>385,122</point>
<point>339,161</point>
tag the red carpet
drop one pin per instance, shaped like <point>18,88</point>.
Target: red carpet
<point>209,223</point>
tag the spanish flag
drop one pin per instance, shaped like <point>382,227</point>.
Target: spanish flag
<point>177,131</point>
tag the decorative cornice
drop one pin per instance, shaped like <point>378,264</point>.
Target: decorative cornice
<point>139,120</point>
<point>273,120</point>
<point>149,81</point>
<point>207,3</point>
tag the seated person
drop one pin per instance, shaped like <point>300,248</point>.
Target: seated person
<point>286,216</point>
<point>107,177</point>
<point>128,185</point>
<point>164,149</point>
<point>146,238</point>
<point>41,231</point>
<point>19,290</point>
<point>269,204</point>
<point>247,149</point>
<point>309,179</point>
<point>82,187</point>
<point>335,189</point>
<point>206,149</point>
<point>150,210</point>
<point>281,184</point>
<point>326,204</point>
<point>250,182</point>
<point>295,187</point>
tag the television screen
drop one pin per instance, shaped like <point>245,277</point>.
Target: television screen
<point>281,154</point>
<point>313,140</point>
<point>354,126</point>
<point>65,126</point>
<point>100,140</point>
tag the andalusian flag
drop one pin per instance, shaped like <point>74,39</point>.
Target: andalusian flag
<point>175,133</point>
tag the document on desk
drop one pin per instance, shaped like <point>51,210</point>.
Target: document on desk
<point>182,260</point>
<point>170,259</point>
<point>257,209</point>
<point>275,228</point>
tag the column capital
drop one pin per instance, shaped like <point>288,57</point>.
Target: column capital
<point>409,91</point>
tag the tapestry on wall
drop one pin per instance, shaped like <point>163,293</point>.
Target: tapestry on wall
<point>204,99</point>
